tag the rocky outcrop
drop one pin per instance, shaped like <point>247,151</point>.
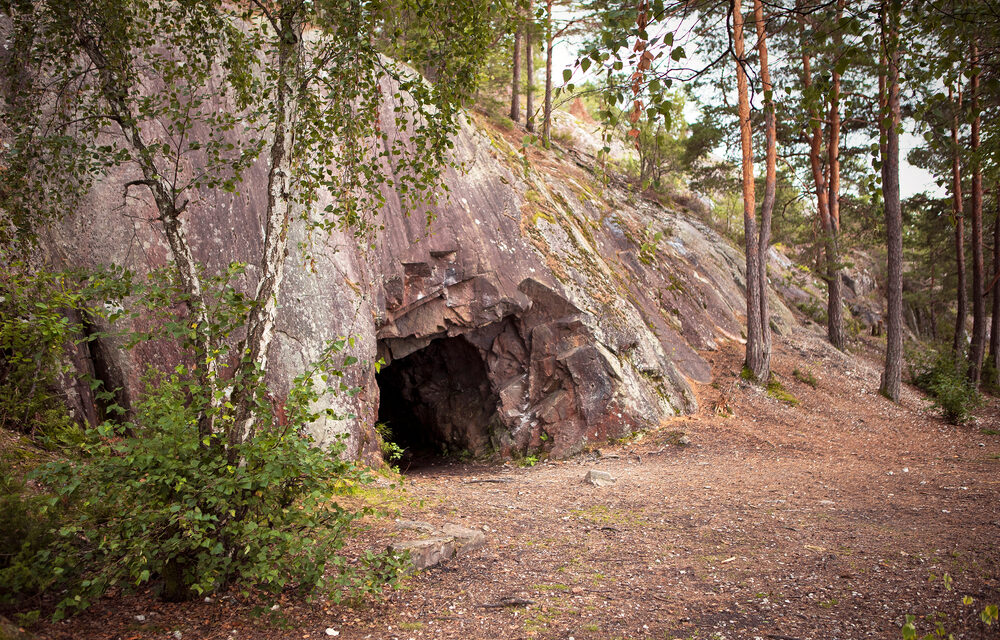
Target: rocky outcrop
<point>539,310</point>
<point>435,545</point>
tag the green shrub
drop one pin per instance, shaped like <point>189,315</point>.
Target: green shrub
<point>971,617</point>
<point>29,524</point>
<point>991,377</point>
<point>943,377</point>
<point>42,315</point>
<point>160,498</point>
<point>391,452</point>
<point>158,502</point>
<point>805,377</point>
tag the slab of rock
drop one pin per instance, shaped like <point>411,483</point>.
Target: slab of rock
<point>442,543</point>
<point>599,478</point>
<point>466,539</point>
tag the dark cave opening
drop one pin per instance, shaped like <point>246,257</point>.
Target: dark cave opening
<point>438,402</point>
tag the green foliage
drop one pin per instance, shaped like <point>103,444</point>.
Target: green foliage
<point>157,501</point>
<point>217,78</point>
<point>211,481</point>
<point>777,391</point>
<point>391,451</point>
<point>805,377</point>
<point>812,308</point>
<point>970,618</point>
<point>943,376</point>
<point>157,498</point>
<point>30,520</point>
<point>991,377</point>
<point>650,243</point>
<point>661,147</point>
<point>43,316</point>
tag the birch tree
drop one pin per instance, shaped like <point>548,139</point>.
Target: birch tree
<point>188,96</point>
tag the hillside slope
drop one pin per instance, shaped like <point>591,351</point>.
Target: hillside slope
<point>538,310</point>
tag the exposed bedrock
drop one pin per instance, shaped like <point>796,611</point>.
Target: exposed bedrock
<point>536,312</point>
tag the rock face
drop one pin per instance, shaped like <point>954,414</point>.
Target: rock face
<point>538,311</point>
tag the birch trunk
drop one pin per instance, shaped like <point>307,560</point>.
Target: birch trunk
<point>260,322</point>
<point>166,200</point>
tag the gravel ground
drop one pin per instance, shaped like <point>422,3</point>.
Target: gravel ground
<point>833,518</point>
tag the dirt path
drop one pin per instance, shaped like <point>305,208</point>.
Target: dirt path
<point>824,520</point>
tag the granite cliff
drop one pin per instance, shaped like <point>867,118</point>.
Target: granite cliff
<point>540,309</point>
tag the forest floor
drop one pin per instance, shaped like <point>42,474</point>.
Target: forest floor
<point>830,519</point>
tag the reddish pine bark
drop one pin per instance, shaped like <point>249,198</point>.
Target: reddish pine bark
<point>770,185</point>
<point>995,292</point>
<point>977,344</point>
<point>515,83</point>
<point>547,108</point>
<point>958,345</point>
<point>529,71</point>
<point>754,348</point>
<point>892,374</point>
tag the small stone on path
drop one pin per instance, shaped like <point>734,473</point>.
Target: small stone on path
<point>599,478</point>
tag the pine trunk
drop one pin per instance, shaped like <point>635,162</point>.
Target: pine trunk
<point>754,352</point>
<point>770,187</point>
<point>820,182</point>
<point>835,319</point>
<point>515,81</point>
<point>958,345</point>
<point>529,71</point>
<point>977,344</point>
<point>547,122</point>
<point>995,292</point>
<point>892,375</point>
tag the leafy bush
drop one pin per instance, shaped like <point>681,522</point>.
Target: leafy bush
<point>970,617</point>
<point>42,316</point>
<point>942,375</point>
<point>28,529</point>
<point>391,452</point>
<point>157,501</point>
<point>991,377</point>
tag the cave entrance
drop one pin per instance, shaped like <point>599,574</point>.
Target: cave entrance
<point>438,402</point>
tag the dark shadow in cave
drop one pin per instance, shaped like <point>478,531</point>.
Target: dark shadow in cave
<point>438,402</point>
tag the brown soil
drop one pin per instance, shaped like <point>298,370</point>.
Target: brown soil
<point>822,520</point>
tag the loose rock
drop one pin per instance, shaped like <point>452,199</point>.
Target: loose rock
<point>599,478</point>
<point>442,544</point>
